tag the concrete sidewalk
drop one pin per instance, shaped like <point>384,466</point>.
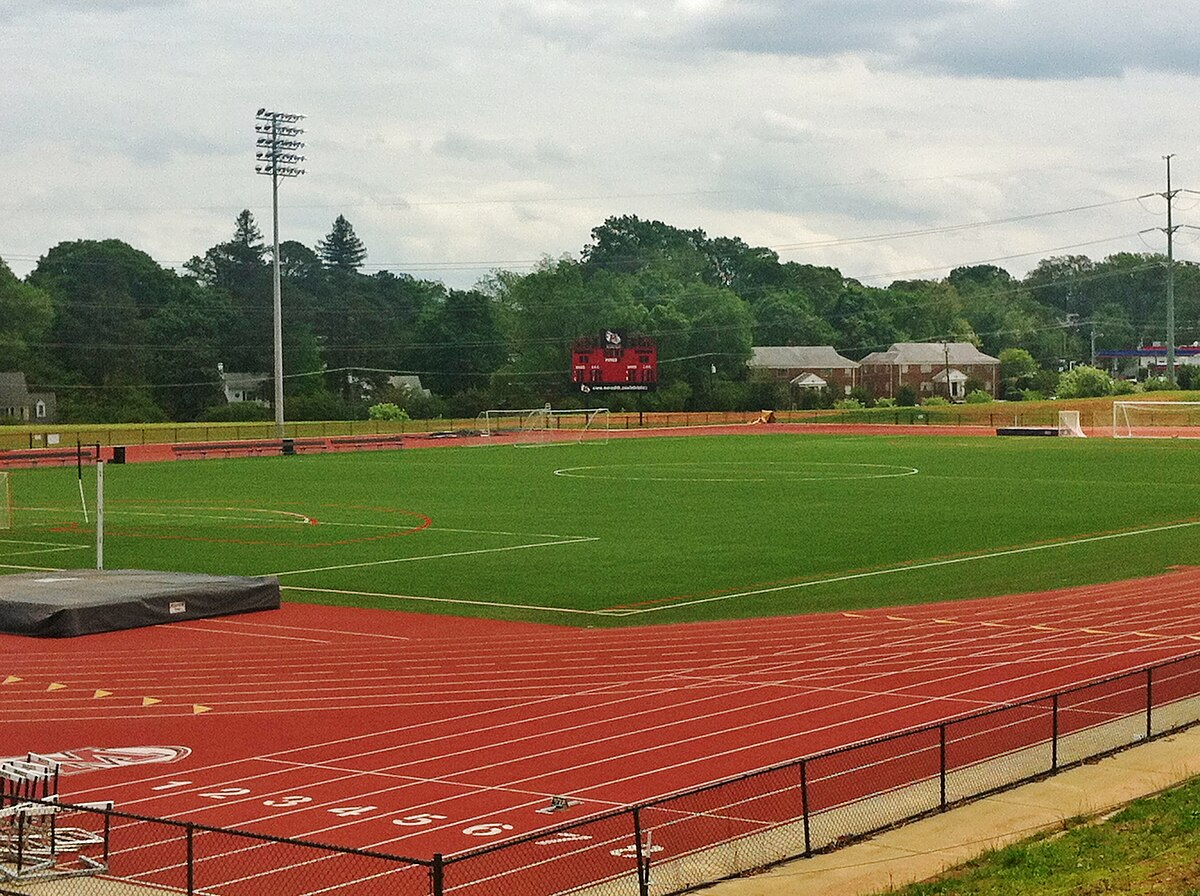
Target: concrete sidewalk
<point>928,847</point>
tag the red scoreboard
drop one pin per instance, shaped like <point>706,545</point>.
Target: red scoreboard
<point>614,362</point>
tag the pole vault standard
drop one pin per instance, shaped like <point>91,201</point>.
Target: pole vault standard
<point>99,513</point>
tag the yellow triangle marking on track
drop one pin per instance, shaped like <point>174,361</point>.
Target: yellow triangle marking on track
<point>99,693</point>
<point>13,679</point>
<point>55,686</point>
<point>1147,635</point>
<point>994,624</point>
<point>855,615</point>
<point>899,619</point>
<point>946,621</point>
<point>1045,628</point>
<point>197,709</point>
<point>1096,631</point>
<point>150,701</point>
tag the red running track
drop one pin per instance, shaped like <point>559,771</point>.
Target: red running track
<point>418,735</point>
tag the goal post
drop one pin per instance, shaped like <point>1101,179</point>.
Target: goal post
<point>6,500</point>
<point>545,425</point>
<point>1156,419</point>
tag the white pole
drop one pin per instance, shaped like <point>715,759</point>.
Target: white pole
<point>99,514</point>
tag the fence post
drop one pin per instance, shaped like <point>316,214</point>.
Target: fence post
<point>942,763</point>
<point>1149,702</point>
<point>804,807</point>
<point>1054,735</point>
<point>437,875</point>
<point>643,868</point>
<point>191,859</point>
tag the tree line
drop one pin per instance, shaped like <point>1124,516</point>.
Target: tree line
<point>121,338</point>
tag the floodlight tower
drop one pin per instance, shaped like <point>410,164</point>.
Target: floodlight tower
<point>278,156</point>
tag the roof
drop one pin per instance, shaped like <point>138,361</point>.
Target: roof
<point>809,381</point>
<point>930,353</point>
<point>244,380</point>
<point>12,383</point>
<point>796,357</point>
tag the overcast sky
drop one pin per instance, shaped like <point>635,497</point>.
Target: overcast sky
<point>458,137</point>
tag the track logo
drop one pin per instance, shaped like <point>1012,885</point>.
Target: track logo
<point>88,759</point>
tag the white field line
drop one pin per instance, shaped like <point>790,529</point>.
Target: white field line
<point>265,515</point>
<point>442,600</point>
<point>516,547</point>
<point>808,583</point>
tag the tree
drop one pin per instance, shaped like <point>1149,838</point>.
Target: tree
<point>1018,369</point>
<point>25,317</point>
<point>627,244</point>
<point>458,342</point>
<point>236,265</point>
<point>103,293</point>
<point>342,251</point>
<point>238,270</point>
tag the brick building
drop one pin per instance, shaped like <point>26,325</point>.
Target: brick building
<point>929,368</point>
<point>806,367</point>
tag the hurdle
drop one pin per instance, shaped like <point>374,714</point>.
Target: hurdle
<point>34,845</point>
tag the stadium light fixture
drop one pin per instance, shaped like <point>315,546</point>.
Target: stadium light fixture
<point>278,155</point>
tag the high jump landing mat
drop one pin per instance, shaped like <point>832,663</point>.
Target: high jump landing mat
<point>86,601</point>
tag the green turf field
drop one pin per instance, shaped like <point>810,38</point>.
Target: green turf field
<point>640,530</point>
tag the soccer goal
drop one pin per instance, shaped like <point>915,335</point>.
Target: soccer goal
<point>1069,425</point>
<point>1156,419</point>
<point>545,425</point>
<point>6,501</point>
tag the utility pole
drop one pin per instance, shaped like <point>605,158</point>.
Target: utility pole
<point>1170,232</point>
<point>946,369</point>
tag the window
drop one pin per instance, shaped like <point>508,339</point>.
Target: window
<point>40,410</point>
<point>926,368</point>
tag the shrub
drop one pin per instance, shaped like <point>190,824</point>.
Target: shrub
<point>906,396</point>
<point>978,396</point>
<point>1157,384</point>
<point>1084,382</point>
<point>935,401</point>
<point>1124,387</point>
<point>885,403</point>
<point>848,404</point>
<point>1032,395</point>
<point>387,411</point>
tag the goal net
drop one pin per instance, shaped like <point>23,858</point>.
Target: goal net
<point>545,425</point>
<point>1068,425</point>
<point>1156,419</point>
<point>6,502</point>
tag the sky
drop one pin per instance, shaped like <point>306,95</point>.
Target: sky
<point>892,140</point>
